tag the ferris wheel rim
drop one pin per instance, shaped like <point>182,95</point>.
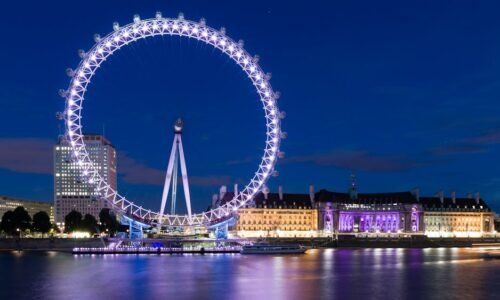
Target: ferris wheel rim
<point>160,26</point>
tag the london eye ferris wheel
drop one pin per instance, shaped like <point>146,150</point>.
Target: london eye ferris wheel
<point>122,36</point>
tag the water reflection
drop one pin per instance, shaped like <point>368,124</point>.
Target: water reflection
<point>319,274</point>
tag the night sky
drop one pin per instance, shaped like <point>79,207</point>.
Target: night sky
<point>403,95</point>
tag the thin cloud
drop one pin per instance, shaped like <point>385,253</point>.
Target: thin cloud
<point>135,172</point>
<point>490,138</point>
<point>469,145</point>
<point>457,149</point>
<point>26,155</point>
<point>34,155</point>
<point>361,160</point>
<point>209,180</point>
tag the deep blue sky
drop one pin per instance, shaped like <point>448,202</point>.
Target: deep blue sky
<point>404,95</point>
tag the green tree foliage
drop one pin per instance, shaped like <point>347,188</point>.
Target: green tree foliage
<point>41,222</point>
<point>108,221</point>
<point>7,224</point>
<point>21,219</point>
<point>55,227</point>
<point>90,223</point>
<point>15,222</point>
<point>73,221</point>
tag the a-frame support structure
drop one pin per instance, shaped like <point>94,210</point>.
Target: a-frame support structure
<point>176,157</point>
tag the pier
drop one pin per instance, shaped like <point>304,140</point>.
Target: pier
<point>157,250</point>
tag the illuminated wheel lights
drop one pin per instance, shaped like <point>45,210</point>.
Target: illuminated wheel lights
<point>159,26</point>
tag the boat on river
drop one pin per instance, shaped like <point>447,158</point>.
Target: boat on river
<point>492,254</point>
<point>261,248</point>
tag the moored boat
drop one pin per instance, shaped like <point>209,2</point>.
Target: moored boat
<point>492,255</point>
<point>260,248</point>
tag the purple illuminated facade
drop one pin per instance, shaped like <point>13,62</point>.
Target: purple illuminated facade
<point>357,213</point>
<point>363,221</point>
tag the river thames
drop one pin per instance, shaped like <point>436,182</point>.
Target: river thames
<point>319,274</point>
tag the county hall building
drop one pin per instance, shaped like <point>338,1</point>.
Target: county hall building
<point>329,213</point>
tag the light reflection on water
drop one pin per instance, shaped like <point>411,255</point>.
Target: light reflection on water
<point>319,274</point>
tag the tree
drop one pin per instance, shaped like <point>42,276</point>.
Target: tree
<point>108,221</point>
<point>41,222</point>
<point>21,219</point>
<point>55,228</point>
<point>90,223</point>
<point>73,221</point>
<point>7,224</point>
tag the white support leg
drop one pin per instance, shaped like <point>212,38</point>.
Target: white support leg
<point>173,201</point>
<point>168,178</point>
<point>185,182</point>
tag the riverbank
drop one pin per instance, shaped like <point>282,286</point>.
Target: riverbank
<point>384,242</point>
<point>67,244</point>
<point>49,244</point>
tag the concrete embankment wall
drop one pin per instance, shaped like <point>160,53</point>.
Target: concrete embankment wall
<point>59,244</point>
<point>47,244</point>
<point>353,242</point>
